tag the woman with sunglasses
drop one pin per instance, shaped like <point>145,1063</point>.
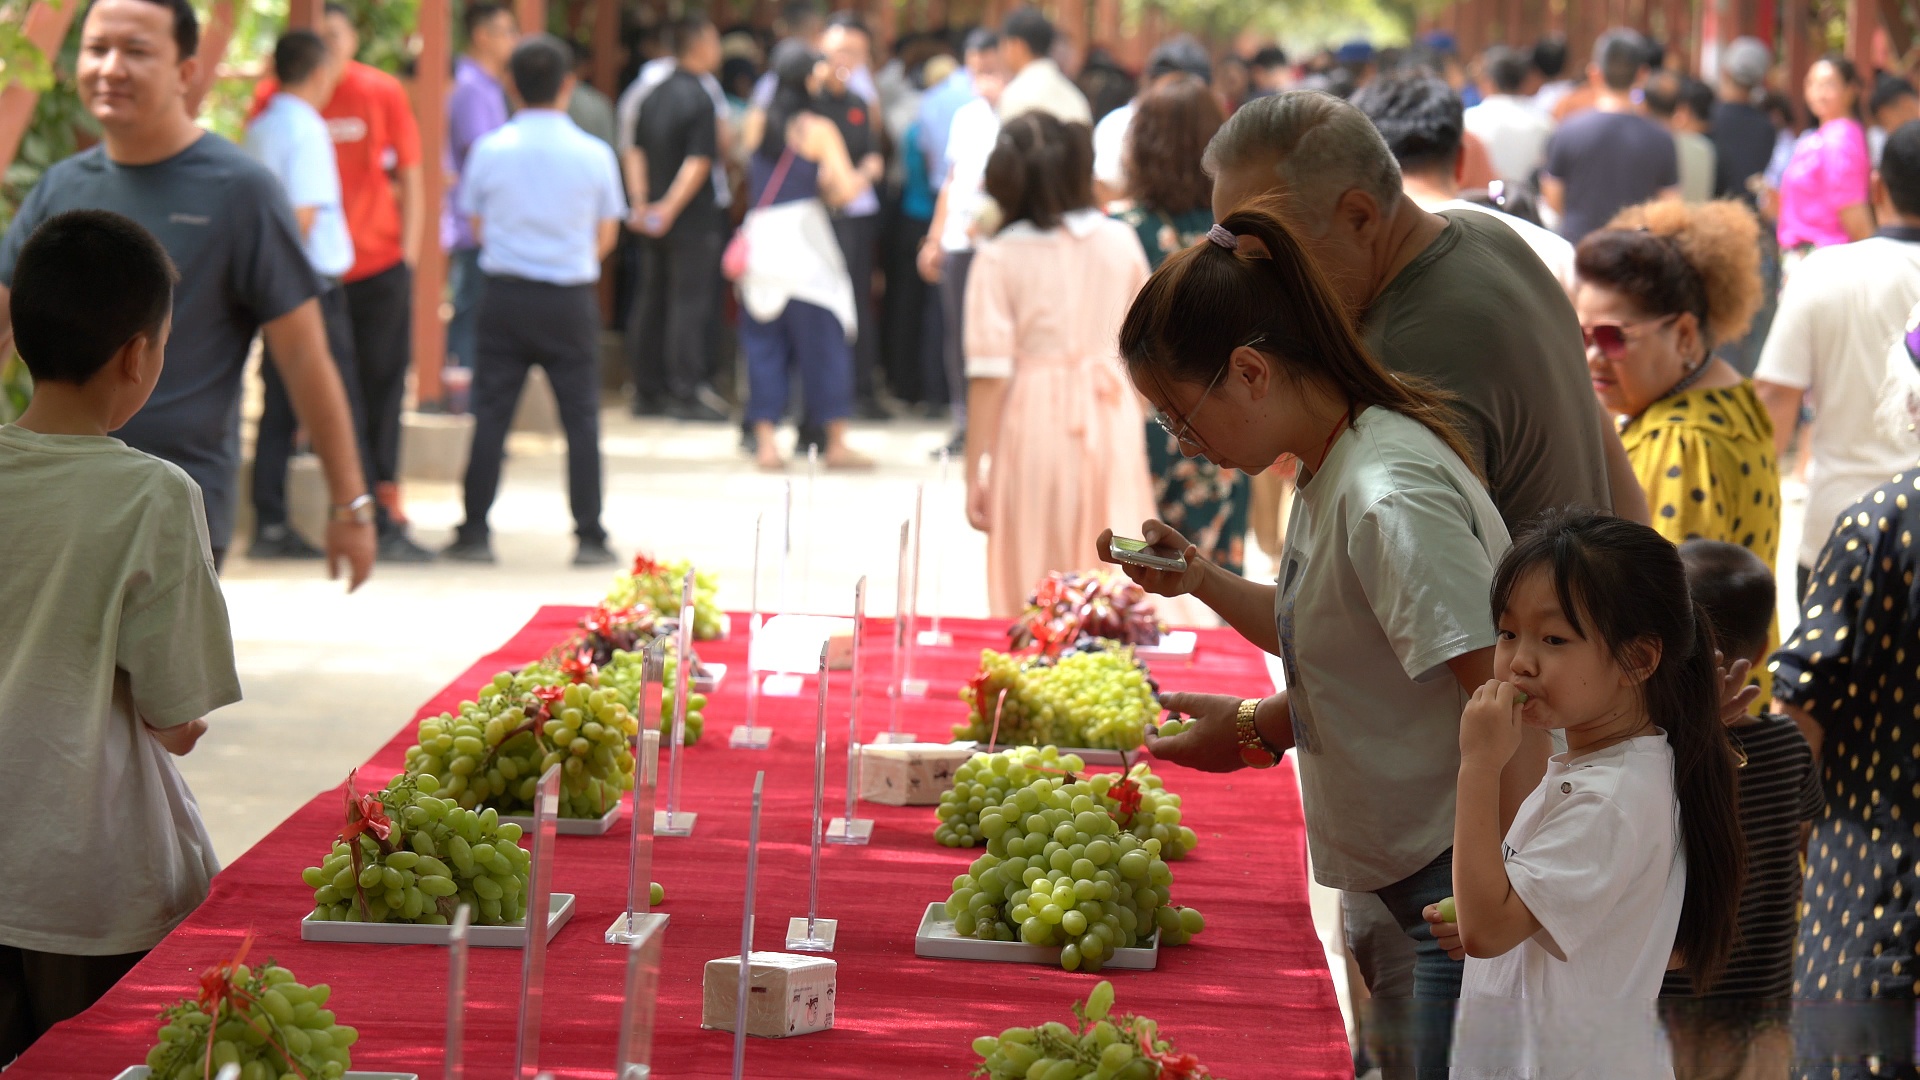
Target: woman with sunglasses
<point>1380,613</point>
<point>1659,289</point>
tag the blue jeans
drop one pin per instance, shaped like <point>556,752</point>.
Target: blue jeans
<point>804,336</point>
<point>466,281</point>
<point>1413,983</point>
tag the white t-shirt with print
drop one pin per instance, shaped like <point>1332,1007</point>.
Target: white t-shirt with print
<point>1389,559</point>
<point>1843,308</point>
<point>1595,854</point>
<point>114,614</point>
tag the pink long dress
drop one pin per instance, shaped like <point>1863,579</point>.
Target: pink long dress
<point>1044,310</point>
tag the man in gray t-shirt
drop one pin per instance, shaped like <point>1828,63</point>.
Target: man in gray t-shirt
<point>230,231</point>
<point>1456,298</point>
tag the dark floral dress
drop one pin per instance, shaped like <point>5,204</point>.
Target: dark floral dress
<point>1854,665</point>
<point>1206,503</point>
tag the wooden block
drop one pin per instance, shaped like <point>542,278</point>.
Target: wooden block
<point>910,774</point>
<point>790,994</point>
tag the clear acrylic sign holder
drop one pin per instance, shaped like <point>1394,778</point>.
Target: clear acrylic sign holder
<point>934,637</point>
<point>533,966</point>
<point>850,829</point>
<point>636,1017</point>
<point>639,920</point>
<point>814,934</point>
<point>747,736</point>
<point>453,1064</point>
<point>807,529</point>
<point>911,685</point>
<point>895,691</point>
<point>746,935</point>
<point>674,821</point>
<point>779,683</point>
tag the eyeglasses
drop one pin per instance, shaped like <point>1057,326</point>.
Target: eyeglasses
<point>1185,432</point>
<point>1612,338</point>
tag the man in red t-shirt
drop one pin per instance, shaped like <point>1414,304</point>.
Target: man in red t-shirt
<point>376,142</point>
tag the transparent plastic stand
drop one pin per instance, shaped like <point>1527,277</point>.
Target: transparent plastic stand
<point>780,683</point>
<point>639,920</point>
<point>782,602</point>
<point>851,829</point>
<point>934,637</point>
<point>674,821</point>
<point>636,1017</point>
<point>896,690</point>
<point>747,736</point>
<point>453,1065</point>
<point>911,685</point>
<point>807,529</point>
<point>814,934</point>
<point>533,965</point>
<point>746,934</point>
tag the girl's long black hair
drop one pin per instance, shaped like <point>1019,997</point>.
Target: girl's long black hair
<point>1623,584</point>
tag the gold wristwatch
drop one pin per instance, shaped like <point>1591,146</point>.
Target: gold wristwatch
<point>1254,750</point>
<point>357,512</point>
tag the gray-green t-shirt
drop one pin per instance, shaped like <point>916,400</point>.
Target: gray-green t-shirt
<point>227,224</point>
<point>1385,577</point>
<point>1480,317</point>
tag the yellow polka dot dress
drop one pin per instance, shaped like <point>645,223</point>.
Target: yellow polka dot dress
<point>1854,665</point>
<point>1705,460</point>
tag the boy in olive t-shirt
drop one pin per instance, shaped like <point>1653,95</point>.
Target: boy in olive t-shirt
<point>115,643</point>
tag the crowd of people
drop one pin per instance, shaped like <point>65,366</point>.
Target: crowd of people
<point>1524,351</point>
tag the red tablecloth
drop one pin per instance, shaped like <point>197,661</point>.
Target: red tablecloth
<point>1251,995</point>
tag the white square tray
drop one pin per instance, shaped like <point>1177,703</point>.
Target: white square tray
<point>573,826</point>
<point>1086,754</point>
<point>708,678</point>
<point>936,938</point>
<point>559,910</point>
<point>1171,643</point>
<point>141,1072</point>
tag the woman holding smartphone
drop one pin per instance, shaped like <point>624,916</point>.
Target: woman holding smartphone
<point>1381,611</point>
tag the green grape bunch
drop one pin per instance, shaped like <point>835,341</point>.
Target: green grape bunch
<point>1138,800</point>
<point>493,753</point>
<point>1100,699</point>
<point>1099,1044</point>
<point>410,856</point>
<point>1060,872</point>
<point>258,1018</point>
<point>658,586</point>
<point>624,674</point>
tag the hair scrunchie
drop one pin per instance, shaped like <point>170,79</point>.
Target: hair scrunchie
<point>1219,235</point>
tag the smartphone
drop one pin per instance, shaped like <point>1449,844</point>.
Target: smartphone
<point>1139,553</point>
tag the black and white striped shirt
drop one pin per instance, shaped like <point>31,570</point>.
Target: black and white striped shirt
<point>1779,790</point>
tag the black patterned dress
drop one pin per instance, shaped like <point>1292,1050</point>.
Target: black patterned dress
<point>1854,666</point>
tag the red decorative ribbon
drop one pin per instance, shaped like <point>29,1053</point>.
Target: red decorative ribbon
<point>218,989</point>
<point>1172,1066</point>
<point>366,815</point>
<point>579,667</point>
<point>644,566</point>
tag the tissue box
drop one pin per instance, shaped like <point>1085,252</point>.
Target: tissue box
<point>791,994</point>
<point>910,774</point>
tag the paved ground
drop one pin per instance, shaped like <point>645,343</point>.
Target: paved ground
<point>328,677</point>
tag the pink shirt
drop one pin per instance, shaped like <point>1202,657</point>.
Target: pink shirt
<point>1829,172</point>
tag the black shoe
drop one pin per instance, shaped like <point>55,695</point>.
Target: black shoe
<point>398,547</point>
<point>696,409</point>
<point>708,396</point>
<point>871,410</point>
<point>469,551</point>
<point>812,437</point>
<point>594,553</point>
<point>648,406</point>
<point>281,542</point>
<point>955,448</point>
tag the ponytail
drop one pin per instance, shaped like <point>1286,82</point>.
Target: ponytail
<point>1208,300</point>
<point>1683,698</point>
<point>1624,584</point>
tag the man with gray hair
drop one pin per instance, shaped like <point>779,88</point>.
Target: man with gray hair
<point>1458,299</point>
<point>1455,298</point>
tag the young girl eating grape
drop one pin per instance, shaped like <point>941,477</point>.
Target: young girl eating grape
<point>1628,856</point>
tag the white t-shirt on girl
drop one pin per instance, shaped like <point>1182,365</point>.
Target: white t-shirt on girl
<point>1595,854</point>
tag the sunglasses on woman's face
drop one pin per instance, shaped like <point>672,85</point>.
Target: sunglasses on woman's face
<point>1613,339</point>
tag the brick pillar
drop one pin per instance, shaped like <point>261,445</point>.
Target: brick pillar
<point>430,277</point>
